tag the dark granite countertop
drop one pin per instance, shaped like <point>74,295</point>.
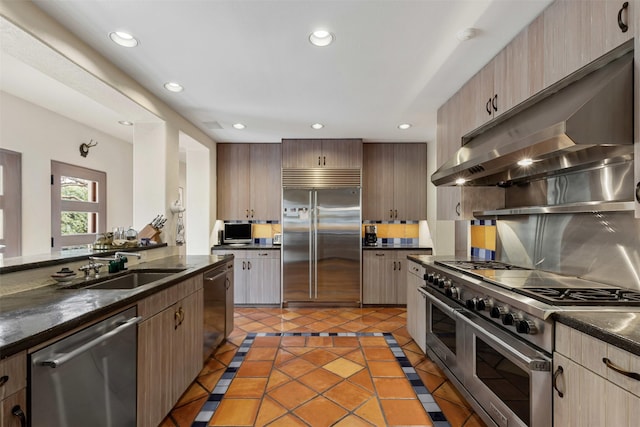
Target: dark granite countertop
<point>248,246</point>
<point>621,329</point>
<point>32,317</point>
<point>10,265</point>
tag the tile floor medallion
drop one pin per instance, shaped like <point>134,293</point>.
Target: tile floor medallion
<point>321,367</point>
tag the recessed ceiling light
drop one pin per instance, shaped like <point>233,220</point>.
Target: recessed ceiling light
<point>239,126</point>
<point>317,125</point>
<point>123,39</point>
<point>404,126</point>
<point>321,38</point>
<point>466,34</point>
<point>125,123</point>
<point>525,162</point>
<point>460,181</point>
<point>173,87</point>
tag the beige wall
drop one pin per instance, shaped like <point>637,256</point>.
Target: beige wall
<point>41,136</point>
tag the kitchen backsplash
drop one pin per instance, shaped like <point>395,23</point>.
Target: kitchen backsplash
<point>396,232</point>
<point>483,239</point>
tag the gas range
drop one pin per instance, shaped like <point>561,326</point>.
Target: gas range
<point>521,300</point>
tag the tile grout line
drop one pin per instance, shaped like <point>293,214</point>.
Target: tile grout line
<point>207,411</point>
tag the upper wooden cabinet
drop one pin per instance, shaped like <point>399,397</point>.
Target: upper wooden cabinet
<point>511,77</point>
<point>394,182</point>
<point>249,181</point>
<point>578,32</point>
<point>322,153</point>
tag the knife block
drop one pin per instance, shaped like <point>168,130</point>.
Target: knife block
<point>150,232</point>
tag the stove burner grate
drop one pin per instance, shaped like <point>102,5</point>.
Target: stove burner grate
<point>480,265</point>
<point>583,296</point>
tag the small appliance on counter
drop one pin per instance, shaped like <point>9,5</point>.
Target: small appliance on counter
<point>277,239</point>
<point>238,234</point>
<point>370,235</point>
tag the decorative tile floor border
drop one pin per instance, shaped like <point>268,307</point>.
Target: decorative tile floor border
<point>428,403</point>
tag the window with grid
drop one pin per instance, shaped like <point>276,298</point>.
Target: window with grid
<point>78,205</point>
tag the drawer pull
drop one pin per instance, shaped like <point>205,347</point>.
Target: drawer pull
<point>3,380</point>
<point>618,369</point>
<point>18,412</point>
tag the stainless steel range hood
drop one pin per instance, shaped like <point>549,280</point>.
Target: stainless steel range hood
<point>584,121</point>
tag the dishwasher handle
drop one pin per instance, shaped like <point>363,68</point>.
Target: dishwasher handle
<point>59,361</point>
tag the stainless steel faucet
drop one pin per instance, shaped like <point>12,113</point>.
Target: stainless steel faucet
<point>95,266</point>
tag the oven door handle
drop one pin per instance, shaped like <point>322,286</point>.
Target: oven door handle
<point>443,306</point>
<point>537,364</point>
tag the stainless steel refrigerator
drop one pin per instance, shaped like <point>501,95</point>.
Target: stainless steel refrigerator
<point>321,246</point>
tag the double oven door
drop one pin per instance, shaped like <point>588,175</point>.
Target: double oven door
<point>506,379</point>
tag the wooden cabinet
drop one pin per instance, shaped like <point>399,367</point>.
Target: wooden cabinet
<point>322,153</point>
<point>384,275</point>
<point>13,390</point>
<point>578,32</point>
<point>416,305</point>
<point>593,394</point>
<point>169,348</point>
<point>458,203</point>
<point>394,182</point>
<point>248,181</point>
<point>256,275</point>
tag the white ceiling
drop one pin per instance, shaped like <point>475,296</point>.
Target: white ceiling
<point>249,61</point>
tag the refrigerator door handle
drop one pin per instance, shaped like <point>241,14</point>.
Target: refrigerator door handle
<point>311,253</point>
<point>315,242</point>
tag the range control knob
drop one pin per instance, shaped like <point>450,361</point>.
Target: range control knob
<point>498,311</point>
<point>430,277</point>
<point>436,280</point>
<point>451,291</point>
<point>476,304</point>
<point>511,319</point>
<point>526,327</point>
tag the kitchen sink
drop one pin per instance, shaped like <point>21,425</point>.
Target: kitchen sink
<point>133,279</point>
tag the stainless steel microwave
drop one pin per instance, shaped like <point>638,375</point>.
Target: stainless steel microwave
<point>237,233</point>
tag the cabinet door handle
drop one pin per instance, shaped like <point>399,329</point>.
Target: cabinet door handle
<point>618,369</point>
<point>379,254</point>
<point>228,283</point>
<point>395,215</point>
<point>394,266</point>
<point>399,265</point>
<point>494,103</point>
<point>623,27</point>
<point>318,160</point>
<point>324,160</point>
<point>3,380</point>
<point>487,106</point>
<point>246,213</point>
<point>264,254</point>
<point>458,209</point>
<point>391,213</point>
<point>638,192</point>
<point>18,412</point>
<point>248,265</point>
<point>244,265</point>
<point>556,374</point>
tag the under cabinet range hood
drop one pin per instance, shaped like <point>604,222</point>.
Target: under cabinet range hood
<point>583,124</point>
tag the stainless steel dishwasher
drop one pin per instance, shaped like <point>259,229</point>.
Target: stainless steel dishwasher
<point>218,313</point>
<point>88,378</point>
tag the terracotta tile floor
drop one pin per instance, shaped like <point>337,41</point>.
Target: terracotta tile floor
<point>344,381</point>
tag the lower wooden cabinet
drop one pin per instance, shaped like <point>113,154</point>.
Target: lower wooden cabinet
<point>13,409</point>
<point>13,390</point>
<point>256,275</point>
<point>587,392</point>
<point>169,348</point>
<point>416,305</point>
<point>383,275</point>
